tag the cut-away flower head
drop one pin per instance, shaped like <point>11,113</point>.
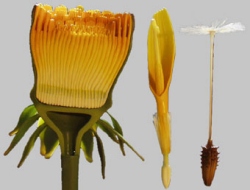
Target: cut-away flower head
<point>161,55</point>
<point>77,57</point>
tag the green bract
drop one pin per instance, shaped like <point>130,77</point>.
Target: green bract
<point>49,139</point>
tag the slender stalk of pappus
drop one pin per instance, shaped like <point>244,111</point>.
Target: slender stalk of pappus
<point>212,35</point>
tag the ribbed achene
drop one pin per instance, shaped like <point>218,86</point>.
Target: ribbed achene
<point>77,54</point>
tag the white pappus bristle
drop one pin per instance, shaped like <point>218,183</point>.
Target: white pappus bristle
<point>217,27</point>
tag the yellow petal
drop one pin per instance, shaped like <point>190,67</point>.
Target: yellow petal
<point>155,67</point>
<point>161,52</point>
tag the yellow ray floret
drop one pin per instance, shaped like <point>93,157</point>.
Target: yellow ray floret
<point>161,55</point>
<point>78,54</point>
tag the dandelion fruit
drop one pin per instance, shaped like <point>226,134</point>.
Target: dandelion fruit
<point>209,156</point>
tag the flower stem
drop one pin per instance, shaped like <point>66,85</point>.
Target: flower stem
<point>69,124</point>
<point>69,166</point>
<point>212,35</point>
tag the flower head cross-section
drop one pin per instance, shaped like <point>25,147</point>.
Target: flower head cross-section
<point>77,57</point>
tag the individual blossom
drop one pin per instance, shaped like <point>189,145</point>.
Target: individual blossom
<point>77,57</point>
<point>161,55</point>
<point>209,156</point>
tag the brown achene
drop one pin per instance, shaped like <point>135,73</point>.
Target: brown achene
<point>209,162</point>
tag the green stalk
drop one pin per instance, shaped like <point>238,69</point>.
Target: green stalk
<point>69,166</point>
<point>69,124</point>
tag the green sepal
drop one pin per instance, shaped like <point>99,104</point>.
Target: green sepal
<point>21,132</point>
<point>49,142</point>
<point>31,143</point>
<point>125,142</point>
<point>28,112</point>
<point>87,145</point>
<point>107,128</point>
<point>118,128</point>
<point>101,153</point>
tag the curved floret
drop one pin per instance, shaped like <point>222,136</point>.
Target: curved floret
<point>161,55</point>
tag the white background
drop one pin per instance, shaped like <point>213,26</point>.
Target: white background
<point>134,105</point>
